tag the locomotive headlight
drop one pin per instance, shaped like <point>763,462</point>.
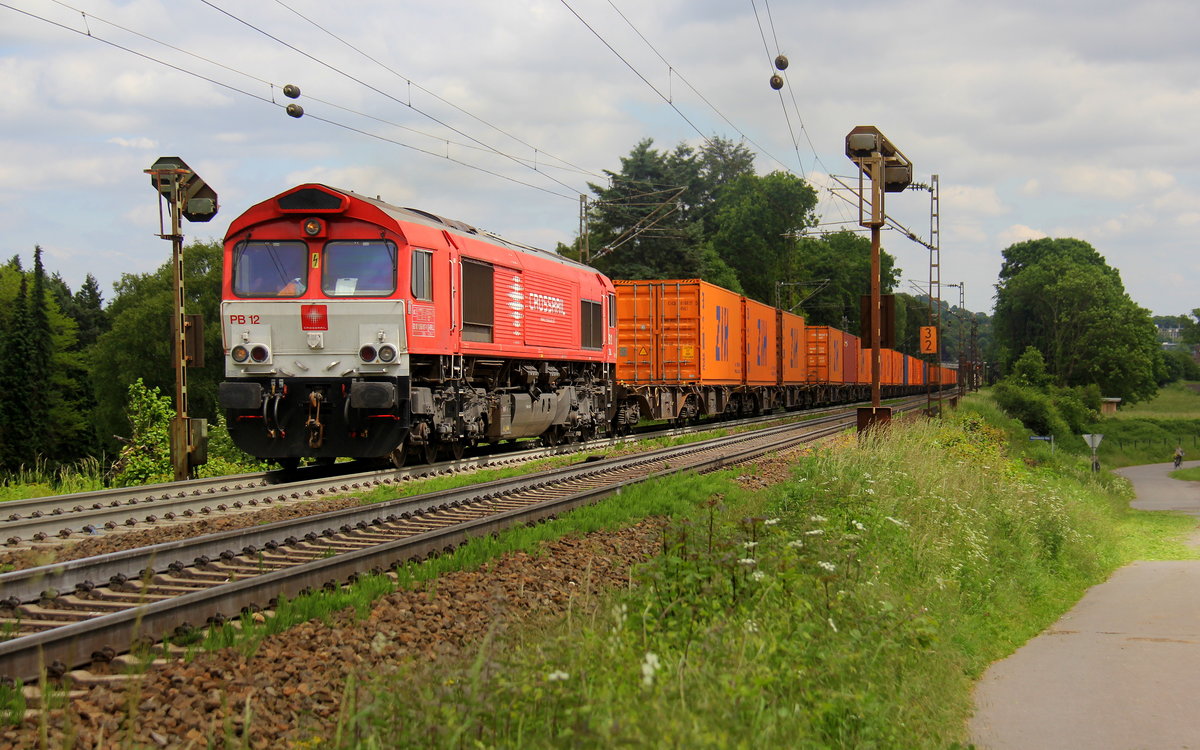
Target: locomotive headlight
<point>387,353</point>
<point>239,353</point>
<point>260,353</point>
<point>312,227</point>
<point>367,353</point>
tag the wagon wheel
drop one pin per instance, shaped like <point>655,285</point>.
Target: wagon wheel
<point>288,465</point>
<point>553,436</point>
<point>457,448</point>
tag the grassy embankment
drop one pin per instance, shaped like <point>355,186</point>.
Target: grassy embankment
<point>853,606</point>
<point>1147,433</point>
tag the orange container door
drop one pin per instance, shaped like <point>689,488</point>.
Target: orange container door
<point>818,353</point>
<point>636,332</point>
<point>678,328</point>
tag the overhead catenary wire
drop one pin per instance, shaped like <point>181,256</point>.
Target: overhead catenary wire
<point>268,100</point>
<point>376,89</point>
<point>441,99</point>
<point>695,90</point>
<point>273,85</point>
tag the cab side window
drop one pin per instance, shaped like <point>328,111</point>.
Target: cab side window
<point>422,275</point>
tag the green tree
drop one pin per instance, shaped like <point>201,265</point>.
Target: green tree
<point>843,260</point>
<point>1030,370</point>
<point>652,221</point>
<point>16,429</point>
<point>1060,297</point>
<point>138,342</point>
<point>758,221</point>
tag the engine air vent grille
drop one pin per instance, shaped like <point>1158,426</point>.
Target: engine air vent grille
<point>311,199</point>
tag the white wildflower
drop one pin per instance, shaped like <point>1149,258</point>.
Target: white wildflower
<point>796,543</point>
<point>815,532</point>
<point>770,522</point>
<point>818,519</point>
<point>758,575</point>
<point>649,666</point>
<point>858,526</point>
<point>751,626</point>
<point>870,491</point>
<point>749,545</point>
<point>558,676</point>
<point>747,561</point>
<point>828,566</point>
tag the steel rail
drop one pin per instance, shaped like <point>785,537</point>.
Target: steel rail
<point>114,510</point>
<point>46,581</point>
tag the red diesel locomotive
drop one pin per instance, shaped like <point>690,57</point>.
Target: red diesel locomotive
<point>356,328</point>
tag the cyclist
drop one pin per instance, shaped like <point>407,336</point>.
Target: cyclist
<point>1178,455</point>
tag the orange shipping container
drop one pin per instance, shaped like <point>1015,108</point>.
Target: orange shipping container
<point>832,355</point>
<point>792,349</point>
<point>761,352</point>
<point>680,331</point>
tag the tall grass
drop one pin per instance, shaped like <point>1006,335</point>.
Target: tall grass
<point>853,607</point>
<point>44,479</point>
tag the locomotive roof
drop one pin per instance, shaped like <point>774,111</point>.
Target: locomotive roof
<point>417,216</point>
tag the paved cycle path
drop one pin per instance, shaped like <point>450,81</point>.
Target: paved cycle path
<point>1122,668</point>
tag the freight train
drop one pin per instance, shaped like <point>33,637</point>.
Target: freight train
<point>355,328</point>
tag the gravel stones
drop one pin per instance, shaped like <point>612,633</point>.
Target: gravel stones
<point>295,681</point>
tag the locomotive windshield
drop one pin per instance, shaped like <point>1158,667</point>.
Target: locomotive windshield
<point>270,269</point>
<point>361,268</point>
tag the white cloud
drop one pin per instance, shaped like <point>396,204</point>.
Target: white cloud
<point>140,143</point>
<point>973,200</point>
<point>1018,233</point>
<point>1113,183</point>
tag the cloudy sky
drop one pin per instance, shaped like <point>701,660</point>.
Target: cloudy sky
<point>1062,119</point>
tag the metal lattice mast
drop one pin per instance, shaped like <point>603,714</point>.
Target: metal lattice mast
<point>935,293</point>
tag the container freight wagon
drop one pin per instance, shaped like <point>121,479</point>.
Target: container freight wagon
<point>833,364</point>
<point>681,351</point>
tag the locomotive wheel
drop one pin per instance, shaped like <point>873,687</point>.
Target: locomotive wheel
<point>429,452</point>
<point>289,464</point>
<point>457,448</point>
<point>399,454</point>
<point>553,436</point>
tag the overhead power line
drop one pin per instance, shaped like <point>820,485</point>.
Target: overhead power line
<point>87,32</point>
<point>441,99</point>
<point>376,89</point>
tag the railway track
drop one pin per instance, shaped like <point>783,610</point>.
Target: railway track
<point>60,616</point>
<point>50,520</point>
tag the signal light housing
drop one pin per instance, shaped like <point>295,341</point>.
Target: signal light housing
<point>367,353</point>
<point>387,354</point>
<point>239,354</point>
